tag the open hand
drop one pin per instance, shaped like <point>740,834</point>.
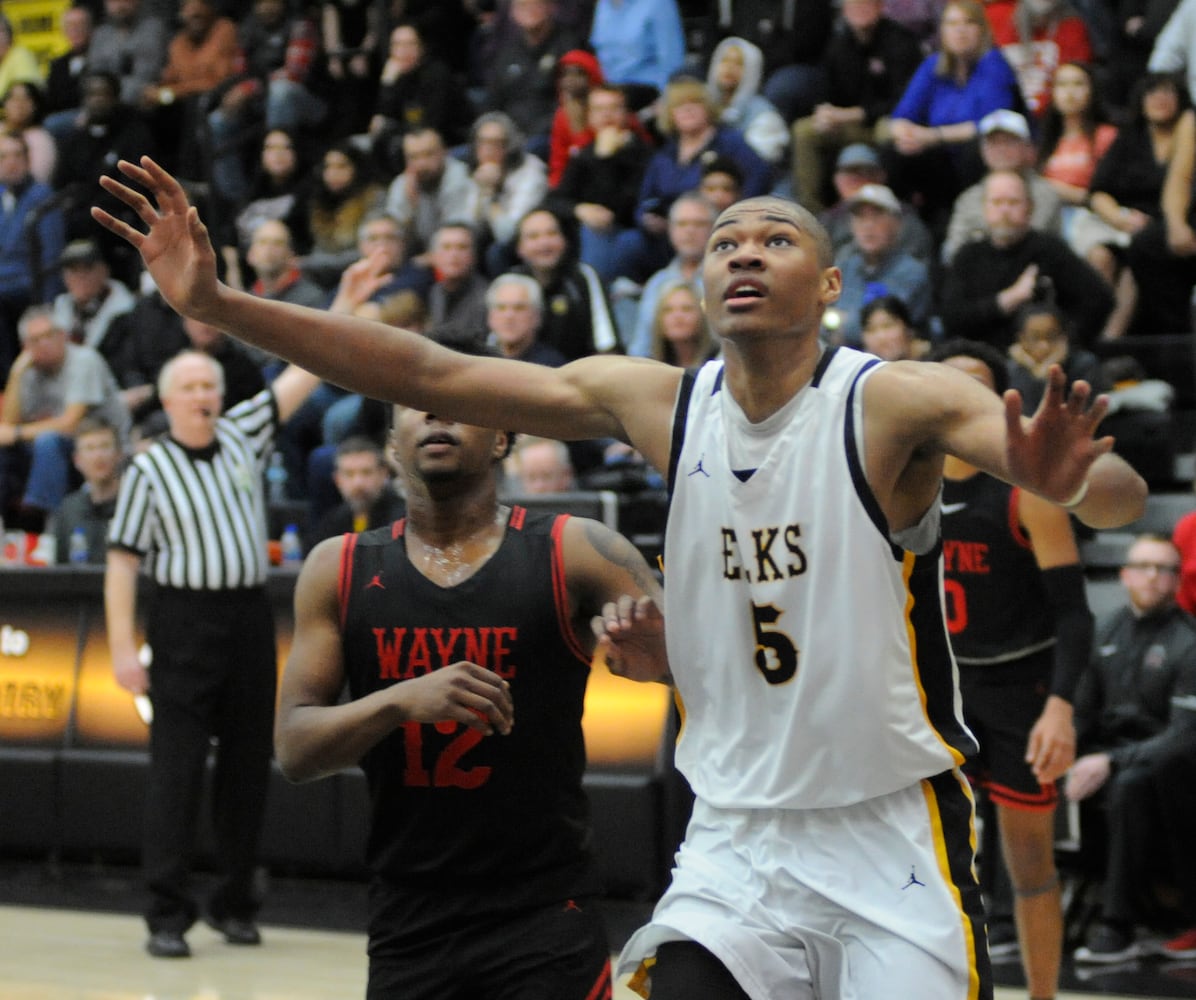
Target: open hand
<point>175,247</point>
<point>630,636</point>
<point>1052,452</point>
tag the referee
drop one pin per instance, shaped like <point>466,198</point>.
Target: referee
<point>194,507</point>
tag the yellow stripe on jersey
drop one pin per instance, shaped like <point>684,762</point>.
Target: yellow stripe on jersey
<point>907,568</point>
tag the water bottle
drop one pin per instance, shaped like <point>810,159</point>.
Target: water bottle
<point>79,550</point>
<point>292,548</point>
<point>276,479</point>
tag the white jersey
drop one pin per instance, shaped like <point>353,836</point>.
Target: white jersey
<point>828,678</point>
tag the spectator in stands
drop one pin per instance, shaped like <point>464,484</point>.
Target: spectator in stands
<point>640,44</point>
<point>868,63</point>
<point>1042,341</point>
<point>104,131</point>
<point>433,188</point>
<point>733,81</point>
<point>202,55</point>
<point>793,37</point>
<point>17,63</point>
<point>540,465</point>
<point>368,499</point>
<point>1036,37</point>
<point>680,334</point>
<point>52,386</point>
<point>1126,190</point>
<point>93,298</point>
<point>1074,133</point>
<point>523,77</point>
<point>857,165</point>
<point>1136,774</point>
<point>31,240</point>
<point>343,194</point>
<point>131,46</point>
<point>23,111</point>
<point>1136,27</point>
<point>276,267</point>
<point>576,319</point>
<point>936,123</point>
<point>138,344</point>
<point>689,122</point>
<point>98,457</point>
<point>991,279</point>
<point>277,85</point>
<point>887,332</point>
<point>279,189</point>
<point>577,72</point>
<point>457,301</point>
<point>601,182</point>
<point>508,183</point>
<point>514,306</point>
<point>1005,144</point>
<point>873,265</point>
<point>691,219</point>
<point>1175,48</point>
<point>1162,255</point>
<point>415,91</point>
<point>722,183</point>
<point>65,72</point>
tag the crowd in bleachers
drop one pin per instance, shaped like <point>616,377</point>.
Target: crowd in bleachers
<point>395,159</point>
<point>542,177</point>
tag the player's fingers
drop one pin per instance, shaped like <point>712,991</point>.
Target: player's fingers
<point>1013,414</point>
<point>121,229</point>
<point>167,189</point>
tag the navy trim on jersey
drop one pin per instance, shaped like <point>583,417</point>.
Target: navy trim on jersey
<point>823,364</point>
<point>680,419</point>
<point>856,465</point>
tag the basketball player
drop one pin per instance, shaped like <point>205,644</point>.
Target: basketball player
<point>1022,635</point>
<point>829,851</point>
<point>479,843</point>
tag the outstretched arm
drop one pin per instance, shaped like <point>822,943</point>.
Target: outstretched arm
<point>918,412</point>
<point>314,735</point>
<point>625,398</point>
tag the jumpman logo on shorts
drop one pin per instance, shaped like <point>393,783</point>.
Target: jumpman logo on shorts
<point>376,582</point>
<point>700,468</point>
<point>913,880</point>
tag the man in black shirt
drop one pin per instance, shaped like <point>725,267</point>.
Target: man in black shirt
<point>1136,774</point>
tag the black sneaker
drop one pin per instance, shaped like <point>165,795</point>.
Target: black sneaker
<point>236,930</point>
<point>167,944</point>
<point>1107,945</point>
<point>1002,940</point>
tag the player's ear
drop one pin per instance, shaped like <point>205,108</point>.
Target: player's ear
<point>831,285</point>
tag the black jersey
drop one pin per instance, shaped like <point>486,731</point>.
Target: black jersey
<point>453,809</point>
<point>997,606</point>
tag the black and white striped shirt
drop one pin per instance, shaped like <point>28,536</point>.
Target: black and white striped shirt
<point>199,517</point>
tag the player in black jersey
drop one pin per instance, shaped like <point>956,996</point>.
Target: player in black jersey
<point>464,634</point>
<point>1021,632</point>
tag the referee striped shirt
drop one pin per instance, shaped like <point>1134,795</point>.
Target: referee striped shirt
<point>199,516</point>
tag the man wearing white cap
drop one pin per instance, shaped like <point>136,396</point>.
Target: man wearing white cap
<point>1005,144</point>
<point>874,264</point>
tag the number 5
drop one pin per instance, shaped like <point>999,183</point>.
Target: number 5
<point>776,656</point>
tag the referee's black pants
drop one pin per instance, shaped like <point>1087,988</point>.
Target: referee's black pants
<point>214,674</point>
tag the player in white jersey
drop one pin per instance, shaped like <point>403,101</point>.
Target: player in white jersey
<point>834,863</point>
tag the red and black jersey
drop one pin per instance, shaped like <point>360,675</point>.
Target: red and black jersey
<point>453,809</point>
<point>997,607</point>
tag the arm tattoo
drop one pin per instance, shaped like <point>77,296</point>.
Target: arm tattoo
<point>618,551</point>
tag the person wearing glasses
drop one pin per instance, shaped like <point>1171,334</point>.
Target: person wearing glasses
<point>1135,714</point>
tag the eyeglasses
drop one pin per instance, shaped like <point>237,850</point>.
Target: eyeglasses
<point>1163,569</point>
